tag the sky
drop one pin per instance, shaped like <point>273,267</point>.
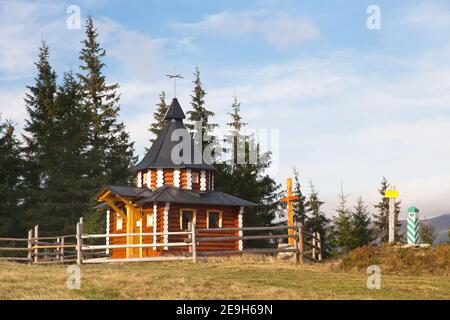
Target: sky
<point>349,104</point>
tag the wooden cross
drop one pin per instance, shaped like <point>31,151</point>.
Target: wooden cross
<point>289,199</point>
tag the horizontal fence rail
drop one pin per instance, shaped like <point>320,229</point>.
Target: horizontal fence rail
<point>96,248</point>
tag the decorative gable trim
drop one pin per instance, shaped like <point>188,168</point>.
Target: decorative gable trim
<point>203,180</point>
<point>159,178</point>
<point>155,211</point>
<point>240,224</point>
<point>166,224</point>
<point>188,179</point>
<point>139,179</point>
<point>176,178</point>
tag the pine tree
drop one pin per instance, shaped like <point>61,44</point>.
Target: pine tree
<point>249,181</point>
<point>362,234</point>
<point>56,172</point>
<point>299,205</point>
<point>381,219</point>
<point>40,146</point>
<point>342,226</point>
<point>236,119</point>
<point>317,221</point>
<point>111,151</point>
<point>70,188</point>
<point>11,168</point>
<point>199,113</point>
<point>158,116</point>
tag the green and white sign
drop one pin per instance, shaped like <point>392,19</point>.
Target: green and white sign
<point>412,227</point>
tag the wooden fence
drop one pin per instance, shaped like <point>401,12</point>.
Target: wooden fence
<point>39,250</point>
<point>95,248</point>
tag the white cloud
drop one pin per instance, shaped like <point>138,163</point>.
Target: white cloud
<point>339,122</point>
<point>280,30</point>
<point>136,53</point>
<point>19,33</point>
<point>12,104</point>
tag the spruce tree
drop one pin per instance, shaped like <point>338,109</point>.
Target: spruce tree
<point>158,116</point>
<point>111,151</point>
<point>11,168</point>
<point>40,144</point>
<point>317,220</point>
<point>362,233</point>
<point>342,226</point>
<point>236,119</point>
<point>299,205</point>
<point>199,113</point>
<point>56,140</point>
<point>70,187</point>
<point>249,181</point>
<point>381,219</point>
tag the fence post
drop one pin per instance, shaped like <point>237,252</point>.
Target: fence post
<point>36,243</point>
<point>79,241</point>
<point>30,246</point>
<point>58,252</point>
<point>62,250</point>
<point>300,242</point>
<point>194,244</point>
<point>314,235</point>
<point>296,244</point>
<point>319,244</point>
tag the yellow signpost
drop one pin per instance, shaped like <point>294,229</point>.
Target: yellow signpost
<point>289,199</point>
<point>391,194</point>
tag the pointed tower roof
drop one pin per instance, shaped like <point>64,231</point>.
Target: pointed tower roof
<point>160,153</point>
<point>175,111</point>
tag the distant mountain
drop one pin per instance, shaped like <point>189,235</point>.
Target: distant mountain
<point>441,225</point>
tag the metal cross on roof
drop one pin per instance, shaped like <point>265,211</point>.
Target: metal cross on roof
<point>174,76</point>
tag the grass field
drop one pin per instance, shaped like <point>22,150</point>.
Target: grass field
<point>262,278</point>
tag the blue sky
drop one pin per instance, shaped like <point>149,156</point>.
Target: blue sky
<point>350,104</point>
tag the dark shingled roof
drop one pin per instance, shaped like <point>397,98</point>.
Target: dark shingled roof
<point>134,192</point>
<point>176,195</point>
<point>175,111</point>
<point>159,155</point>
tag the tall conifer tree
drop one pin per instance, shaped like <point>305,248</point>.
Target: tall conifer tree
<point>299,205</point>
<point>249,180</point>
<point>40,146</point>
<point>200,113</point>
<point>111,151</point>
<point>158,116</point>
<point>317,220</point>
<point>11,168</point>
<point>343,226</point>
<point>362,233</point>
<point>381,219</point>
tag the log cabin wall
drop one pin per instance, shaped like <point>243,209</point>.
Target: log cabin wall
<point>183,179</point>
<point>229,220</point>
<point>168,177</point>
<point>148,228</point>
<point>117,253</point>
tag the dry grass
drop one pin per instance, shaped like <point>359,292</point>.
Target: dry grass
<point>434,260</point>
<point>220,278</point>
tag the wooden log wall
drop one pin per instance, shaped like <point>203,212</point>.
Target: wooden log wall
<point>229,220</point>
